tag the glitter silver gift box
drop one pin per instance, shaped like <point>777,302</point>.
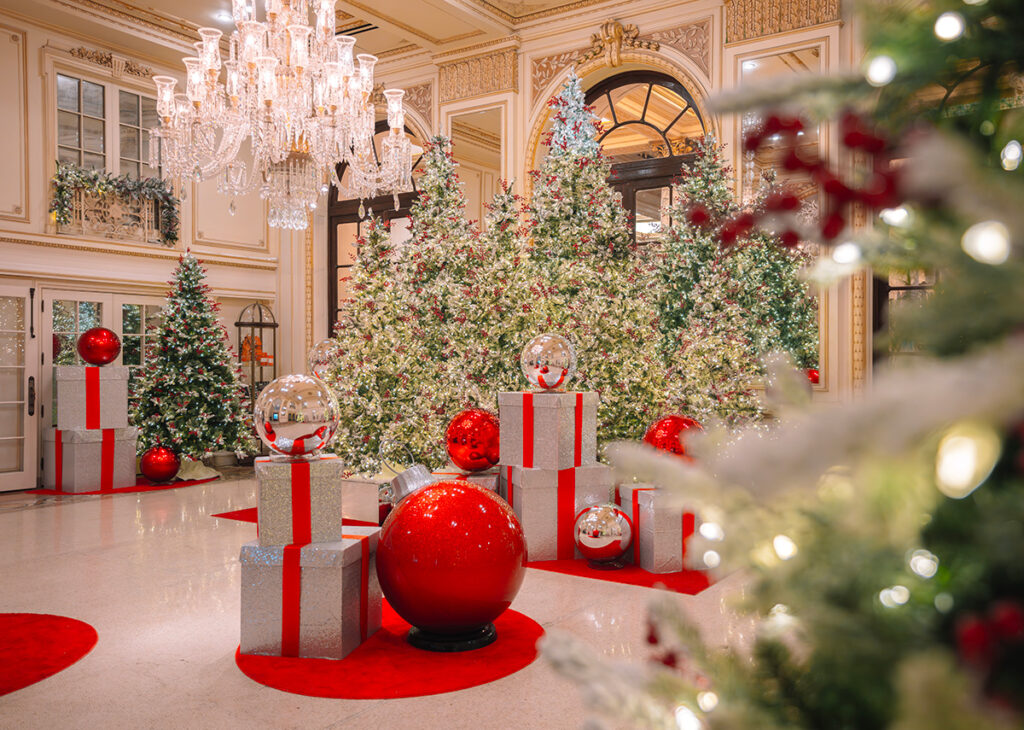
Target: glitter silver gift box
<point>81,467</point>
<point>360,499</point>
<point>661,530</point>
<point>536,497</point>
<point>339,598</point>
<point>559,421</point>
<point>276,493</point>
<point>70,390</point>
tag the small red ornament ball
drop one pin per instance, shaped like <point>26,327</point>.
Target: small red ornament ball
<point>451,557</point>
<point>159,464</point>
<point>668,433</point>
<point>472,439</point>
<point>813,375</point>
<point>99,346</point>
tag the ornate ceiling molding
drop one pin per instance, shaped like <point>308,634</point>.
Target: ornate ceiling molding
<point>119,65</point>
<point>747,19</point>
<point>487,74</point>
<point>611,39</point>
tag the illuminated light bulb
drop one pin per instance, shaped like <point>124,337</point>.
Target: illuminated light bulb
<point>686,719</point>
<point>881,71</point>
<point>785,548</point>
<point>711,531</point>
<point>949,26</point>
<point>924,563</point>
<point>1011,155</point>
<point>987,242</point>
<point>846,253</point>
<point>895,216</point>
<point>707,701</point>
<point>894,596</point>
<point>965,457</point>
<point>943,602</point>
<point>712,559</point>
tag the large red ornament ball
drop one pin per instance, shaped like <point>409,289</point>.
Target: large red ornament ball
<point>472,438</point>
<point>159,464</point>
<point>813,375</point>
<point>451,558</point>
<point>668,433</point>
<point>99,346</point>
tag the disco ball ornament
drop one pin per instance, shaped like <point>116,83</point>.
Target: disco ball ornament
<point>813,375</point>
<point>159,464</point>
<point>668,434</point>
<point>296,416</point>
<point>603,533</point>
<point>472,438</point>
<point>451,558</point>
<point>548,361</point>
<point>323,355</point>
<point>99,346</point>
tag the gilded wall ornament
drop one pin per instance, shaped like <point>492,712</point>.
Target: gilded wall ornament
<point>746,19</point>
<point>118,64</point>
<point>488,74</point>
<point>611,39</point>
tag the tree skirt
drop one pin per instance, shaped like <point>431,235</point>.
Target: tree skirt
<point>685,581</point>
<point>34,646</point>
<point>141,485</point>
<point>386,666</point>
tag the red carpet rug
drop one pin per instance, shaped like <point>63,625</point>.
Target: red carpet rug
<point>386,666</point>
<point>141,485</point>
<point>34,646</point>
<point>249,515</point>
<point>685,581</point>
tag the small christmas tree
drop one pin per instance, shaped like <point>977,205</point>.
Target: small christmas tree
<point>189,394</point>
<point>590,282</point>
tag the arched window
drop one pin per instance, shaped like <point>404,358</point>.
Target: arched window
<point>344,224</point>
<point>649,121</point>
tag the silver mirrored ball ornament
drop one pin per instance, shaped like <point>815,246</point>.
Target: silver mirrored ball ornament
<point>603,533</point>
<point>322,356</point>
<point>549,361</point>
<point>296,416</point>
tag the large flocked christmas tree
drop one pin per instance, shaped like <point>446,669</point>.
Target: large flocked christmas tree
<point>878,544</point>
<point>189,395</point>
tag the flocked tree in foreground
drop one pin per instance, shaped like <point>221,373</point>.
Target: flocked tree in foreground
<point>189,395</point>
<point>879,543</point>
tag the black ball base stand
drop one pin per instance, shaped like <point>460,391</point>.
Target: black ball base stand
<point>475,639</point>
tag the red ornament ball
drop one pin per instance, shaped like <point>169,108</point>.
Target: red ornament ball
<point>813,375</point>
<point>451,557</point>
<point>159,464</point>
<point>472,439</point>
<point>99,346</point>
<point>667,434</point>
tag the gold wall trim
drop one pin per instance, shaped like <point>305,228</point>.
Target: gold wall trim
<point>693,40</point>
<point>610,41</point>
<point>487,74</point>
<point>748,19</point>
<point>308,275</point>
<point>417,32</point>
<point>859,345</point>
<point>20,213</point>
<point>476,136</point>
<point>134,16</point>
<point>118,64</point>
<point>465,50</point>
<point>527,17</point>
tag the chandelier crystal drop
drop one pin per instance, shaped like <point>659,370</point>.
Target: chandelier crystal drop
<point>296,93</point>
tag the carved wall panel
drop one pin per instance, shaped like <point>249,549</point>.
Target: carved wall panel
<point>693,40</point>
<point>488,74</point>
<point>746,19</point>
<point>542,70</point>
<point>420,98</point>
<point>118,64</point>
<point>13,126</point>
<point>111,216</point>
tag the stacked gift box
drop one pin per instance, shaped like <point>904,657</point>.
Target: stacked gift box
<point>92,447</point>
<point>662,528</point>
<point>548,471</point>
<point>309,580</point>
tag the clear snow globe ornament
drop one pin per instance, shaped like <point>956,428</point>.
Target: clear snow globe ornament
<point>548,361</point>
<point>322,356</point>
<point>296,416</point>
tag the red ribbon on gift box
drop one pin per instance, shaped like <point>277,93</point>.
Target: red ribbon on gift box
<point>528,430</point>
<point>58,460</point>
<point>364,582</point>
<point>566,510</point>
<point>291,578</point>
<point>578,435</point>
<point>92,397</point>
<point>508,487</point>
<point>107,445</point>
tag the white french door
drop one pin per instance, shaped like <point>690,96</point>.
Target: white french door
<point>19,388</point>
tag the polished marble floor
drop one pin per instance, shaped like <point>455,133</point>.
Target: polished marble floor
<point>159,579</point>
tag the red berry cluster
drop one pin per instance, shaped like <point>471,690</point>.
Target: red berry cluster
<point>980,639</point>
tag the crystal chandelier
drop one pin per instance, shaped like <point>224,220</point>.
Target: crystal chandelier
<point>296,93</point>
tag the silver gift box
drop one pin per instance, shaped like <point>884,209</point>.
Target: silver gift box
<point>554,429</point>
<point>69,387</point>
<point>274,506</point>
<point>534,498</point>
<point>331,601</point>
<point>82,456</point>
<point>360,499</point>
<point>661,528</point>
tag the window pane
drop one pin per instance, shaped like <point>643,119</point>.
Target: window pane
<point>149,117</point>
<point>663,107</point>
<point>92,99</point>
<point>633,142</point>
<point>629,101</point>
<point>154,313</point>
<point>67,129</point>
<point>131,318</point>
<point>67,93</point>
<point>64,351</point>
<point>63,316</point>
<point>132,352</point>
<point>148,171</point>
<point>130,143</point>
<point>90,315</point>
<point>93,135</point>
<point>66,155</point>
<point>128,108</point>
<point>130,168</point>
<point>92,161</point>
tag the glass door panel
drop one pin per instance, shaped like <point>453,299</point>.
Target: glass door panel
<point>18,378</point>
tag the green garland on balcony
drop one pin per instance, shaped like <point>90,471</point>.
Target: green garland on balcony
<point>72,177</point>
